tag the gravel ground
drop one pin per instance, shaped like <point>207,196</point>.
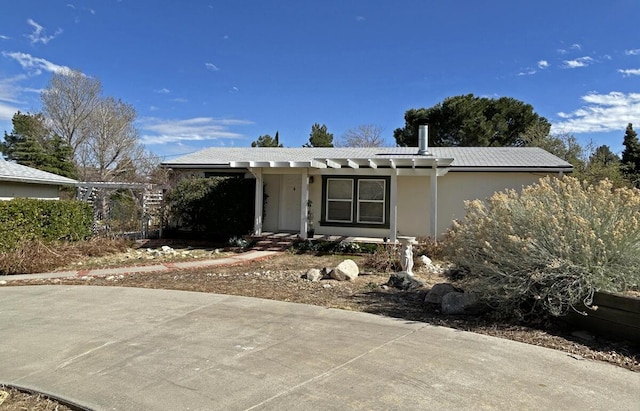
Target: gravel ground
<point>279,278</point>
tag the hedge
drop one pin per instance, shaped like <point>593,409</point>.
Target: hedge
<point>25,219</point>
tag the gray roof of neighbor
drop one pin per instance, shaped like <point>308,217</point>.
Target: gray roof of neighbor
<point>23,174</point>
<point>458,157</point>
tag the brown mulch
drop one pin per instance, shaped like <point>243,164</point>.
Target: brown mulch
<point>279,278</point>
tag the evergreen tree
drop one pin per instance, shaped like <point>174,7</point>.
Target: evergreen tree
<point>319,137</point>
<point>631,156</point>
<point>267,141</point>
<point>32,144</point>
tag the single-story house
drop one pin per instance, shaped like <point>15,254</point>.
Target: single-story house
<point>371,192</point>
<point>18,181</point>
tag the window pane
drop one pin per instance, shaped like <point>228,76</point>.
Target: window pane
<point>371,212</point>
<point>339,210</point>
<point>339,189</point>
<point>371,190</point>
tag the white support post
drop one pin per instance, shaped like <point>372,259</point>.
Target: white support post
<point>304,200</point>
<point>257,220</point>
<point>393,206</point>
<point>434,201</point>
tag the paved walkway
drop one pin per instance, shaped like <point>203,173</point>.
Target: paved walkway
<point>111,348</point>
<point>216,262</point>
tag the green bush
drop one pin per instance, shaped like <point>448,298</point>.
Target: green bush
<point>216,208</point>
<point>27,219</point>
<point>550,247</point>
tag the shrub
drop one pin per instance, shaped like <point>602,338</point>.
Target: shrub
<point>549,247</point>
<point>28,219</point>
<point>428,246</point>
<point>385,259</point>
<point>216,208</point>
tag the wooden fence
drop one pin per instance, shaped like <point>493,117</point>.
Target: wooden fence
<point>617,317</point>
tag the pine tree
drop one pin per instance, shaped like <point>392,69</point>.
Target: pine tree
<point>32,144</point>
<point>267,141</point>
<point>319,137</point>
<point>631,156</point>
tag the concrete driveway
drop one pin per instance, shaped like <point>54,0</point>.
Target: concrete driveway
<point>135,349</point>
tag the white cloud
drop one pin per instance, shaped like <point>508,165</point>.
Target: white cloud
<point>180,100</point>
<point>633,52</point>
<point>211,67</point>
<point>4,37</point>
<point>36,65</point>
<point>579,62</point>
<point>527,72</point>
<point>629,72</point>
<point>543,64</point>
<point>163,90</point>
<point>576,46</point>
<point>9,101</point>
<point>39,33</point>
<point>601,113</point>
<point>360,18</point>
<point>161,131</point>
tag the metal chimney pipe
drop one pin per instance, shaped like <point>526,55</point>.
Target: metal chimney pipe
<point>423,139</point>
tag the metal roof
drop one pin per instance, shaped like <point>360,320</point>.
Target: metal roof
<point>462,158</point>
<point>22,174</point>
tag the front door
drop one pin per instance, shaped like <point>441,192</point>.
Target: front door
<point>290,203</point>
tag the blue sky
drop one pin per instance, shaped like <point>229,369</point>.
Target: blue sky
<point>222,73</point>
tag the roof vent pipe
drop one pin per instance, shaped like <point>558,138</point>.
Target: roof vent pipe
<point>423,139</point>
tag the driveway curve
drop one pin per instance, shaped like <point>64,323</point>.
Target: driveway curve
<point>110,348</point>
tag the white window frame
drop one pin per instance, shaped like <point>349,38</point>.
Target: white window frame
<point>383,201</point>
<point>350,201</point>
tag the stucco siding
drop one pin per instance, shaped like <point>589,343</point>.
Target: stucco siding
<point>414,203</point>
<point>9,190</point>
<point>455,188</point>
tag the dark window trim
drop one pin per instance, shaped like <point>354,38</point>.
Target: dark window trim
<point>355,179</point>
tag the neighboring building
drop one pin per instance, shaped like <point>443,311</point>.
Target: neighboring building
<point>18,181</point>
<point>371,192</point>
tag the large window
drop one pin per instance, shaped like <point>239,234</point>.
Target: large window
<point>339,200</point>
<point>355,201</point>
<point>371,201</point>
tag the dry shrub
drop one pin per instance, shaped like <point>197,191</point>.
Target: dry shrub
<point>430,247</point>
<point>36,256</point>
<point>385,259</point>
<point>550,247</point>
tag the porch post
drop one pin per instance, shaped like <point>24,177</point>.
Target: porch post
<point>257,219</point>
<point>304,199</point>
<point>434,201</point>
<point>393,206</point>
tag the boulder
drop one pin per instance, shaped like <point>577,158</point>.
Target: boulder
<point>456,303</point>
<point>434,296</point>
<point>345,271</point>
<point>325,271</point>
<point>313,274</point>
<point>404,281</point>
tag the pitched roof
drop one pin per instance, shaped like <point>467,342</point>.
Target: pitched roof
<point>453,157</point>
<point>23,174</point>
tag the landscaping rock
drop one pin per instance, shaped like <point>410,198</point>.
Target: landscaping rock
<point>345,271</point>
<point>404,281</point>
<point>434,296</point>
<point>313,274</point>
<point>326,271</point>
<point>457,303</point>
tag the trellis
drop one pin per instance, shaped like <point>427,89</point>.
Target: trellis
<point>115,217</point>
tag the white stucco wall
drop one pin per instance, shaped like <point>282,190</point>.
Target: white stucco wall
<point>10,190</point>
<point>457,187</point>
<point>414,203</point>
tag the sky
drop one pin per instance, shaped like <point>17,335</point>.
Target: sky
<point>221,73</point>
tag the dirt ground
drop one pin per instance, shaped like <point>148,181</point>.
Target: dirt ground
<point>279,278</point>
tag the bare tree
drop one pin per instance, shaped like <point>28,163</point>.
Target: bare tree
<point>365,135</point>
<point>111,143</point>
<point>68,101</point>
